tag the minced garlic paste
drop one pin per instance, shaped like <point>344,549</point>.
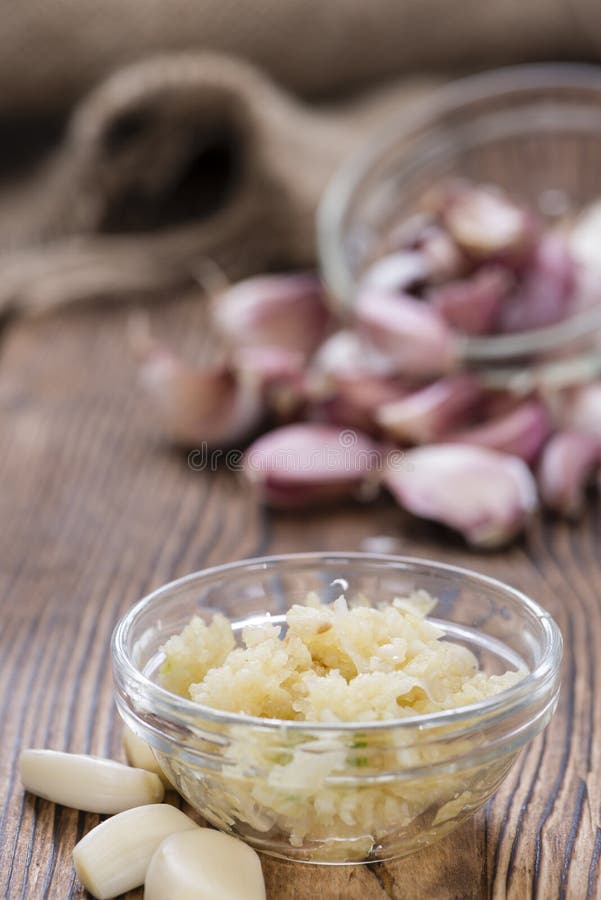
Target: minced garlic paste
<point>333,664</point>
<point>346,795</point>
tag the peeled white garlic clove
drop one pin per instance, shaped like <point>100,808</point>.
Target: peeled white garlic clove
<point>522,431</point>
<point>485,495</point>
<point>567,465</point>
<point>87,782</point>
<point>409,331</point>
<point>204,864</point>
<point>286,311</point>
<point>113,857</point>
<point>211,404</point>
<point>546,289</point>
<point>427,414</point>
<point>472,306</point>
<point>303,464</point>
<point>140,755</point>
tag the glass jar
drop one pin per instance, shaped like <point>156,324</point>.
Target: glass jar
<point>534,131</point>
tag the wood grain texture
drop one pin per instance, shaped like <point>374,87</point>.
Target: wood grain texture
<point>96,510</point>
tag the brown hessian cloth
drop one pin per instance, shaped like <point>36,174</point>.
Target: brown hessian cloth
<point>196,155</point>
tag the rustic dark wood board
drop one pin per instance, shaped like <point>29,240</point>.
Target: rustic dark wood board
<point>96,510</point>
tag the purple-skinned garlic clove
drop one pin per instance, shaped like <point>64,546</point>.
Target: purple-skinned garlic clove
<point>355,402</point>
<point>421,234</point>
<point>579,408</point>
<point>430,412</point>
<point>483,221</point>
<point>196,405</point>
<point>344,356</point>
<point>444,259</point>
<point>280,374</point>
<point>568,463</point>
<point>350,380</point>
<point>397,272</point>
<point>585,237</point>
<point>286,311</point>
<point>521,431</point>
<point>408,331</point>
<point>472,305</point>
<point>546,289</point>
<point>307,464</point>
<point>485,495</point>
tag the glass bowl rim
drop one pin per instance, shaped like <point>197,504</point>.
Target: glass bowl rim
<point>499,704</point>
<point>426,112</point>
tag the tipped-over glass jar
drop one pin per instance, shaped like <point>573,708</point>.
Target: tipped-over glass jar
<point>534,132</point>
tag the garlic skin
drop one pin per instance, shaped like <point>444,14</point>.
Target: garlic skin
<point>430,412</point>
<point>204,864</point>
<point>285,311</point>
<point>522,431</point>
<point>113,857</point>
<point>196,405</point>
<point>86,782</point>
<point>485,495</point>
<point>140,756</point>
<point>410,332</point>
<point>307,463</point>
<point>568,463</point>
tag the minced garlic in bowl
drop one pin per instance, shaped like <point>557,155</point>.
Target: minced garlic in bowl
<point>334,663</point>
<point>336,724</point>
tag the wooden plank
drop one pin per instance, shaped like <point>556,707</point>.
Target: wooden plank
<point>96,510</point>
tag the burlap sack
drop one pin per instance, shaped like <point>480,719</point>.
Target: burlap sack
<point>53,51</point>
<point>172,163</point>
<point>197,156</point>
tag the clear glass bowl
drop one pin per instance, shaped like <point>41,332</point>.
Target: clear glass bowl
<point>352,792</point>
<point>533,130</point>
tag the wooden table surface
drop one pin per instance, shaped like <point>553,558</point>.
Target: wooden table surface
<point>96,511</point>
